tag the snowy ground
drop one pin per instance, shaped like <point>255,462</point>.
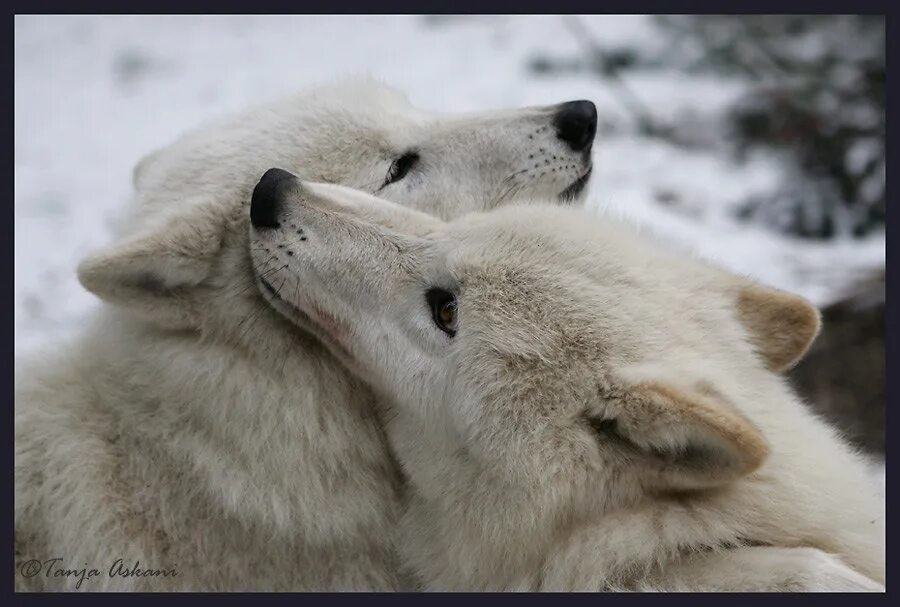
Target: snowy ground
<point>93,94</point>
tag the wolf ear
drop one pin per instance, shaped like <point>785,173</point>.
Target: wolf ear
<point>688,438</point>
<point>781,325</point>
<point>155,273</point>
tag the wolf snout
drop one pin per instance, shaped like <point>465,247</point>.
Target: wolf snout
<point>268,196</point>
<point>576,124</point>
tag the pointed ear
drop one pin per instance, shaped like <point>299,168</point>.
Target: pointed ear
<point>781,325</point>
<point>155,273</point>
<point>688,438</point>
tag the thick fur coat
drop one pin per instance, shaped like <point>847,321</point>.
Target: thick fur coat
<point>192,431</point>
<point>576,407</point>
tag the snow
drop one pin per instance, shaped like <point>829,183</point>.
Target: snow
<point>94,94</point>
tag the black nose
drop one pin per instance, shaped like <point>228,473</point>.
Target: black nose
<point>576,124</point>
<point>265,205</point>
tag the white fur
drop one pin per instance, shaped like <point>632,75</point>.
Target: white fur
<point>193,428</point>
<point>714,475</point>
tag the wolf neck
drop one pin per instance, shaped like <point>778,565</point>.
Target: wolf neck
<point>455,532</point>
<point>276,446</point>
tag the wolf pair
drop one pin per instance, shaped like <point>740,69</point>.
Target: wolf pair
<point>300,386</point>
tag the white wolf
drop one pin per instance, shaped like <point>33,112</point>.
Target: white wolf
<point>192,429</point>
<point>576,408</point>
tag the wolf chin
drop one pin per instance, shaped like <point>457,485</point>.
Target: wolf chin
<point>193,427</point>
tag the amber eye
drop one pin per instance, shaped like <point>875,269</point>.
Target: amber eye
<point>443,309</point>
<point>447,314</point>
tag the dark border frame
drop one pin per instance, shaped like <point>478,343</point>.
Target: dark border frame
<point>405,7</point>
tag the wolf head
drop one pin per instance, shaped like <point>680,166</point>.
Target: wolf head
<point>184,263</point>
<point>555,350</point>
<point>365,135</point>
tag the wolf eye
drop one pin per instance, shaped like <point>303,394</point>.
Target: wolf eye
<point>443,309</point>
<point>400,167</point>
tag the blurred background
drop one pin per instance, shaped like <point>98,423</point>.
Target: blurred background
<point>757,141</point>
